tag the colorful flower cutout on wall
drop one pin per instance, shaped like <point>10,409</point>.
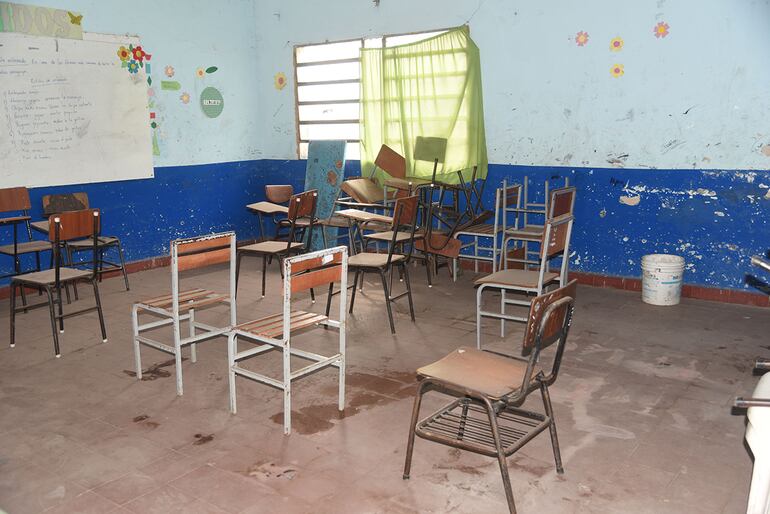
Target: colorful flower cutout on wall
<point>581,38</point>
<point>133,66</point>
<point>201,72</point>
<point>185,98</point>
<point>279,81</point>
<point>133,58</point>
<point>616,45</point>
<point>661,30</point>
<point>617,70</point>
<point>169,71</point>
<point>124,53</point>
<point>138,53</point>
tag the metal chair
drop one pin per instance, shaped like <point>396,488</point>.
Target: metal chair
<point>275,332</point>
<point>401,234</point>
<point>489,388</point>
<point>58,203</point>
<point>179,306</point>
<point>64,227</point>
<point>553,243</point>
<point>15,202</point>
<point>301,206</point>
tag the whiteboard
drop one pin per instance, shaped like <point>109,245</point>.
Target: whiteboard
<point>70,114</point>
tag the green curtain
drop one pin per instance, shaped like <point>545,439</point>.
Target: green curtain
<point>433,89</point>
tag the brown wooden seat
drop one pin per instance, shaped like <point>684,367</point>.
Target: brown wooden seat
<point>517,277</point>
<point>272,247</point>
<point>64,227</point>
<point>387,235</point>
<point>25,247</point>
<point>488,389</point>
<point>190,299</point>
<point>374,260</point>
<point>272,326</point>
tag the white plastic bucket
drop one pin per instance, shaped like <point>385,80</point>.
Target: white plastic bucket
<point>662,279</point>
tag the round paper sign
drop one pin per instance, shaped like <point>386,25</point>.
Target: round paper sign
<point>212,102</point>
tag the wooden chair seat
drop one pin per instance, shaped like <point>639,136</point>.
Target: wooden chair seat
<point>517,278</point>
<point>387,236</point>
<point>527,233</point>
<point>406,184</point>
<point>490,374</point>
<point>26,247</point>
<point>48,277</point>
<point>88,243</point>
<point>481,229</point>
<point>272,326</point>
<point>373,260</point>
<point>269,247</point>
<point>190,299</point>
<point>268,208</point>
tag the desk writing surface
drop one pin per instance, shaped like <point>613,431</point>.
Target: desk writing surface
<point>41,226</point>
<point>363,216</point>
<point>267,208</point>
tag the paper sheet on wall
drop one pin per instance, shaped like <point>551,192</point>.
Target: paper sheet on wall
<point>69,114</point>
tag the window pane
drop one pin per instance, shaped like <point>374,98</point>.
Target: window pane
<point>329,92</point>
<point>375,42</point>
<point>329,52</point>
<point>328,112</point>
<point>330,131</point>
<point>410,38</point>
<point>322,72</point>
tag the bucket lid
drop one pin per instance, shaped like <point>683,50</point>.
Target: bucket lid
<point>663,258</point>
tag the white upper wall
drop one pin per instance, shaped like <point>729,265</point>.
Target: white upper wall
<point>696,98</point>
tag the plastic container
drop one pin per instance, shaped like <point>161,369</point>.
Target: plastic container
<point>662,279</point>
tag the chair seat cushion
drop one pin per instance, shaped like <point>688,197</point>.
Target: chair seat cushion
<point>270,247</point>
<point>517,278</point>
<point>372,260</point>
<point>48,277</point>
<point>490,374</point>
<point>26,247</point>
<point>89,243</point>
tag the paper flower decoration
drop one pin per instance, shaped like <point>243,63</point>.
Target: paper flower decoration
<point>169,71</point>
<point>123,53</point>
<point>133,66</point>
<point>138,53</point>
<point>280,80</point>
<point>150,91</point>
<point>616,45</point>
<point>661,29</point>
<point>617,70</point>
<point>200,73</point>
<point>185,98</point>
<point>581,38</point>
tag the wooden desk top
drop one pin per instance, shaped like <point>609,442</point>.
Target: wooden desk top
<point>267,208</point>
<point>41,226</point>
<point>362,216</point>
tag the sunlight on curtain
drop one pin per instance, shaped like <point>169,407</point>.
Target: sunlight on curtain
<point>431,88</point>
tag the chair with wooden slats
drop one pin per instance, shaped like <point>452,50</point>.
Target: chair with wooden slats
<point>15,204</point>
<point>181,305</point>
<point>64,227</point>
<point>276,332</point>
<point>65,202</point>
<point>485,413</point>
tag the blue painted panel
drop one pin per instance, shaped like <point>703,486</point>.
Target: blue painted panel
<point>325,165</point>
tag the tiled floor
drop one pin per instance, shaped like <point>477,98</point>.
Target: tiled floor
<point>643,407</point>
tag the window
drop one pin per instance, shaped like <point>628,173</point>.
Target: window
<point>327,80</point>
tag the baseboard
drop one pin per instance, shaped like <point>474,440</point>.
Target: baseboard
<point>698,292</point>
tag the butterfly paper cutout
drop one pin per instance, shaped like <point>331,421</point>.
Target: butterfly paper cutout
<point>75,20</point>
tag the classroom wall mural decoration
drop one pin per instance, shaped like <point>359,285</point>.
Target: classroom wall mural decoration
<point>279,80</point>
<point>212,102</point>
<point>661,30</point>
<point>40,21</point>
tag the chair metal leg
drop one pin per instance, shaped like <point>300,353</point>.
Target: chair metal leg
<point>99,311</point>
<point>353,295</point>
<point>329,298</point>
<point>232,349</point>
<point>137,351</point>
<point>463,419</point>
<point>552,427</point>
<point>74,285</point>
<point>52,310</point>
<point>264,273</point>
<point>500,455</point>
<point>428,270</point>
<point>238,256</point>
<point>312,295</point>
<point>408,284</point>
<point>502,311</point>
<point>286,388</point>
<point>123,264</point>
<point>412,425</point>
<point>60,308</point>
<point>387,300</point>
<point>193,349</point>
<point>13,314</point>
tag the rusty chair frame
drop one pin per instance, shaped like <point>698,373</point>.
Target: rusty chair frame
<point>73,225</point>
<point>179,306</point>
<point>486,415</point>
<point>274,333</point>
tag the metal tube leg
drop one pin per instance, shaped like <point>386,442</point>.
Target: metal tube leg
<point>74,285</point>
<point>329,298</point>
<point>387,301</point>
<point>52,309</point>
<point>193,349</point>
<point>286,389</point>
<point>99,311</point>
<point>552,427</point>
<point>478,316</point>
<point>137,351</point>
<point>13,314</point>
<point>500,456</point>
<point>232,342</point>
<point>123,264</point>
<point>412,425</point>
<point>178,358</point>
<point>502,311</point>
<point>353,294</point>
<point>428,270</point>
<point>408,290</point>
<point>60,308</point>
<point>238,256</point>
<point>264,273</point>
<point>463,417</point>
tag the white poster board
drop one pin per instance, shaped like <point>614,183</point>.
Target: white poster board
<point>70,114</point>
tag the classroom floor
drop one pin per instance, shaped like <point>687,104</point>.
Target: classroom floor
<point>643,407</point>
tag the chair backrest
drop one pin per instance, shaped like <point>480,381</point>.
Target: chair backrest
<point>405,212</point>
<point>14,199</point>
<point>70,225</point>
<point>279,193</point>
<point>391,162</point>
<point>556,236</point>
<point>362,190</point>
<point>301,205</point>
<point>53,204</point>
<point>561,202</point>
